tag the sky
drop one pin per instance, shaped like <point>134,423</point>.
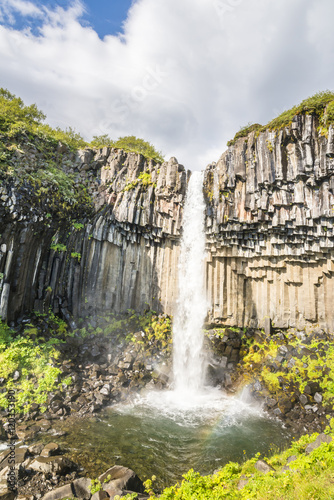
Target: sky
<point>185,75</point>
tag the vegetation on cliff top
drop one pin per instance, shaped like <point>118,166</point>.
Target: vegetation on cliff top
<point>43,160</point>
<point>16,119</point>
<point>130,144</point>
<point>320,104</point>
<point>244,131</point>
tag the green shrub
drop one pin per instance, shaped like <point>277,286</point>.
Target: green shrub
<point>244,131</point>
<point>133,144</point>
<point>144,179</point>
<point>76,255</point>
<point>308,477</point>
<point>130,144</point>
<point>99,141</point>
<point>59,247</point>
<point>95,486</point>
<point>14,115</point>
<point>313,367</point>
<point>329,114</point>
<point>16,118</point>
<point>33,360</point>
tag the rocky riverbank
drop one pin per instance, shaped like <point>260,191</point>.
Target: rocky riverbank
<point>44,472</point>
<point>108,360</point>
<point>290,372</point>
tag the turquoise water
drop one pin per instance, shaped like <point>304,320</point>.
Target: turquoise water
<point>152,435</point>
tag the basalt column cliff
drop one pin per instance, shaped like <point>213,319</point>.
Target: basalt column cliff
<point>269,225</point>
<point>122,255</point>
<point>270,202</point>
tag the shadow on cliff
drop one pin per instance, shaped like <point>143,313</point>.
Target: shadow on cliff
<point>99,279</point>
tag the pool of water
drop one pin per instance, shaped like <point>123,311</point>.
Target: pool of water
<point>165,435</point>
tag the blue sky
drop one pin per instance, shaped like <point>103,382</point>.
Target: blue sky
<point>105,16</point>
<point>185,75</point>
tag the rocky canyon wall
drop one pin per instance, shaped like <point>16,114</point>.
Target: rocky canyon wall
<point>269,224</point>
<point>122,255</point>
<point>269,227</point>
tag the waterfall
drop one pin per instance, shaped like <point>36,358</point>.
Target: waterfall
<point>188,356</point>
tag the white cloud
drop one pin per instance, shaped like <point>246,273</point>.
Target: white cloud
<point>22,7</point>
<point>185,75</point>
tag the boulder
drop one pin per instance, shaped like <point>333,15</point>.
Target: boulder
<point>262,466</point>
<point>59,493</point>
<point>121,478</point>
<point>6,494</point>
<point>20,456</point>
<point>81,488</point>
<point>50,449</point>
<point>322,438</point>
<point>113,492</point>
<point>27,433</point>
<point>95,351</point>
<point>105,390</point>
<point>44,424</point>
<point>57,464</point>
<point>36,449</point>
<point>311,388</point>
<point>242,483</point>
<point>317,397</point>
<point>303,399</point>
<point>100,495</point>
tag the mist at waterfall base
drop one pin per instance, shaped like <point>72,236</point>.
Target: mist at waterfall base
<point>166,433</point>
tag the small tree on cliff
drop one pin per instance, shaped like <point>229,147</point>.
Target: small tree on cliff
<point>129,143</point>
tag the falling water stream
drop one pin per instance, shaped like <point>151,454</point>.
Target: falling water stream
<point>189,426</point>
<point>188,356</point>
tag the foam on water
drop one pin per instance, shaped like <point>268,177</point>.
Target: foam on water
<point>209,405</point>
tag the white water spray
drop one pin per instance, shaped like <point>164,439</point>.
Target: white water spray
<point>188,356</point>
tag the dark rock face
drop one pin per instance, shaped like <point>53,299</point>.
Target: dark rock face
<point>123,256</point>
<point>269,226</point>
